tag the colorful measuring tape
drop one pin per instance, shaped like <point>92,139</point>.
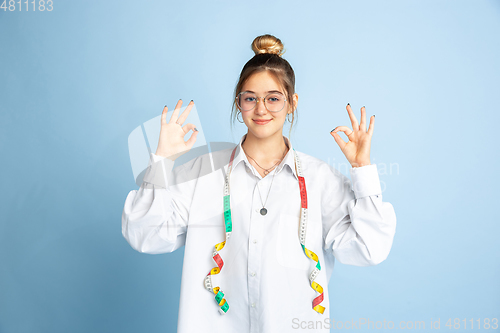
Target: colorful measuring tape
<point>219,294</point>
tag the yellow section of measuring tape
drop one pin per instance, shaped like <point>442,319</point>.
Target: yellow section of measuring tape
<point>319,308</point>
<point>219,246</point>
<point>316,286</point>
<point>311,254</point>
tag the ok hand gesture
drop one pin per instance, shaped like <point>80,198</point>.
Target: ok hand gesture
<point>357,149</point>
<point>171,143</point>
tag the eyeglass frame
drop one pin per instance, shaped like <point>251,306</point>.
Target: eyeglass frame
<point>258,100</point>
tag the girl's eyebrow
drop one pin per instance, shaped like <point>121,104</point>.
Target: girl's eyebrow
<point>268,92</point>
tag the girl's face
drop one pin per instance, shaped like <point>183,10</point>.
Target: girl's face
<point>261,84</point>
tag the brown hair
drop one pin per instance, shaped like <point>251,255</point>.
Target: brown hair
<point>268,57</point>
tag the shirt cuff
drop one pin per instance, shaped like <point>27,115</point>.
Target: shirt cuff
<point>157,158</point>
<point>159,171</point>
<point>365,181</point>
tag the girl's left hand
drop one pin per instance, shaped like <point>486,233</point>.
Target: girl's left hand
<point>357,149</point>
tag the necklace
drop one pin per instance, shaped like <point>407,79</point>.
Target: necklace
<point>266,171</point>
<point>219,294</point>
<point>263,210</point>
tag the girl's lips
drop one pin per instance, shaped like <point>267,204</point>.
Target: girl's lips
<point>259,122</point>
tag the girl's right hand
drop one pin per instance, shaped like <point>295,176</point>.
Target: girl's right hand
<point>171,143</point>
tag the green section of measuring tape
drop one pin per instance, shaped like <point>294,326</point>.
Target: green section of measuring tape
<point>225,307</point>
<point>219,296</point>
<point>227,214</point>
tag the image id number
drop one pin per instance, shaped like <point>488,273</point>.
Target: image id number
<point>27,5</point>
<point>485,323</point>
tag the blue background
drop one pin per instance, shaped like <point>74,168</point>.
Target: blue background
<point>76,81</point>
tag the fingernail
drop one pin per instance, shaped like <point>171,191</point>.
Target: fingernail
<point>333,130</point>
<point>191,101</point>
<point>363,106</point>
<point>374,115</point>
<point>348,104</point>
<point>195,129</point>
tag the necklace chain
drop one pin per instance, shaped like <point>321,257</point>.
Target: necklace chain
<point>266,171</point>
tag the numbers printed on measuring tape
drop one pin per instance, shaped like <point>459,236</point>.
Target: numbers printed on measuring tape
<point>27,5</point>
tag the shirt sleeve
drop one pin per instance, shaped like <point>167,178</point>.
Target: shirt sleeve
<point>154,218</point>
<point>358,226</point>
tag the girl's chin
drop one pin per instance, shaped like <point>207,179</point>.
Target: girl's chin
<point>262,133</point>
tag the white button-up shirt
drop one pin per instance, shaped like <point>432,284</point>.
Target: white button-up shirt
<point>265,277</point>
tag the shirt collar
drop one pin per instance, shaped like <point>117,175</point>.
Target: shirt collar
<point>289,158</point>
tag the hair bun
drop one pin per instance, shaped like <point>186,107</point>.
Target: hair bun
<point>267,44</point>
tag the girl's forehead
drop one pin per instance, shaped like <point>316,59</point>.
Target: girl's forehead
<point>261,86</point>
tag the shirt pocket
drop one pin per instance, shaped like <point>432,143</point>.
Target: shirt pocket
<point>289,252</point>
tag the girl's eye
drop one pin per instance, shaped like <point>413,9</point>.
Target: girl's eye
<point>249,99</point>
<point>275,99</point>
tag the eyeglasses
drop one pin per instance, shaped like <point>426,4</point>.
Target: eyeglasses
<point>273,102</point>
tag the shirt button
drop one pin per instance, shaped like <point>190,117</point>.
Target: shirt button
<point>252,274</point>
<point>253,305</point>
<point>254,241</point>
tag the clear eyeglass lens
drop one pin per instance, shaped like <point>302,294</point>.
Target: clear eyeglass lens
<point>274,102</point>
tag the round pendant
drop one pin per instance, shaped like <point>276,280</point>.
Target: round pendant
<point>263,211</point>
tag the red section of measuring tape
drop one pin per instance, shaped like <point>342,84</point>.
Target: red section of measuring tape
<point>318,300</point>
<point>303,200</point>
<point>303,192</point>
<point>219,261</point>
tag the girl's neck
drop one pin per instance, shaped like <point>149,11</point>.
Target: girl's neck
<point>266,151</point>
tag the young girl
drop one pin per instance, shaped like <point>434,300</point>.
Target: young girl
<point>262,231</point>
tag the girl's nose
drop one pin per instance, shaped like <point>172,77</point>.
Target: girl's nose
<point>260,107</point>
